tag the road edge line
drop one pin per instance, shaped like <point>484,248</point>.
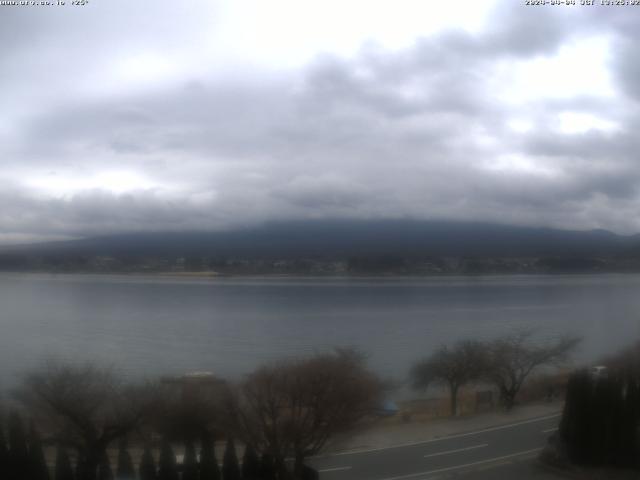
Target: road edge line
<point>438,439</point>
<point>465,465</point>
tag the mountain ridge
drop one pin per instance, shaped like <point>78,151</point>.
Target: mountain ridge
<point>346,238</point>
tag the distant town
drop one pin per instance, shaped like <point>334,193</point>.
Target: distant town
<point>323,247</point>
<point>356,265</point>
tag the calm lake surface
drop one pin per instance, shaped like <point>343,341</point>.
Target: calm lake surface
<point>149,325</point>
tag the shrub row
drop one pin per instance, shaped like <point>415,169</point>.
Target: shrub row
<point>22,457</point>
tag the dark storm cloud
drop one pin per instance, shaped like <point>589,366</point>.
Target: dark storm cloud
<point>420,132</point>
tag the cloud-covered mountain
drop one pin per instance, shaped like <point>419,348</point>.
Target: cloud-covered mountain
<point>343,239</point>
<point>117,117</point>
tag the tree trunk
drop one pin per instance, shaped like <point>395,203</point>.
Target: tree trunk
<point>508,397</point>
<point>454,400</point>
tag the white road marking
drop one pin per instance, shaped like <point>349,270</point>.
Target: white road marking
<point>335,469</point>
<point>464,465</point>
<point>548,430</point>
<point>456,450</point>
<point>459,435</point>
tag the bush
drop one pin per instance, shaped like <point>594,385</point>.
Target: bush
<point>250,464</point>
<point>37,464</point>
<point>600,423</point>
<point>63,470</point>
<point>125,470</point>
<point>167,469</point>
<point>4,454</point>
<point>104,468</point>
<point>230,467</point>
<point>309,473</point>
<point>267,467</point>
<point>18,456</point>
<point>209,469</point>
<point>190,463</point>
<point>147,467</point>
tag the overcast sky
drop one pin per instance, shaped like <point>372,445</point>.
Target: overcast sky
<point>140,115</point>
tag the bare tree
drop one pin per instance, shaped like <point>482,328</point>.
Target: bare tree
<point>291,409</point>
<point>188,406</point>
<point>512,358</point>
<point>452,367</point>
<point>86,407</point>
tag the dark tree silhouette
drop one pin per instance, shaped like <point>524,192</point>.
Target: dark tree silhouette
<point>600,425</point>
<point>209,469</point>
<point>453,367</point>
<point>167,469</point>
<point>267,467</point>
<point>125,469</point>
<point>190,462</point>
<point>4,454</point>
<point>230,467</point>
<point>147,468</point>
<point>104,468</point>
<point>18,453</point>
<point>575,424</point>
<point>63,469</point>
<point>309,473</point>
<point>631,414</point>
<point>38,469</point>
<point>250,464</point>
<point>81,470</point>
<point>87,407</point>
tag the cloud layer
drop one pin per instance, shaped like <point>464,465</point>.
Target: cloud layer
<point>136,119</point>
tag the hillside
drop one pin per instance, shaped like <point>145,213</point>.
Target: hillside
<point>391,246</point>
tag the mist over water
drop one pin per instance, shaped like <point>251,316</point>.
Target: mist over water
<point>147,325</point>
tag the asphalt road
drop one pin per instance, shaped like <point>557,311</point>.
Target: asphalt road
<point>498,452</point>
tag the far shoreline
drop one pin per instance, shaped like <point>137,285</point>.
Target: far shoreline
<point>382,276</point>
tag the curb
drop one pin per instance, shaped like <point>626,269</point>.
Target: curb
<point>563,472</point>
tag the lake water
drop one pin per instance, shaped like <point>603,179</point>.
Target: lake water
<point>150,325</point>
